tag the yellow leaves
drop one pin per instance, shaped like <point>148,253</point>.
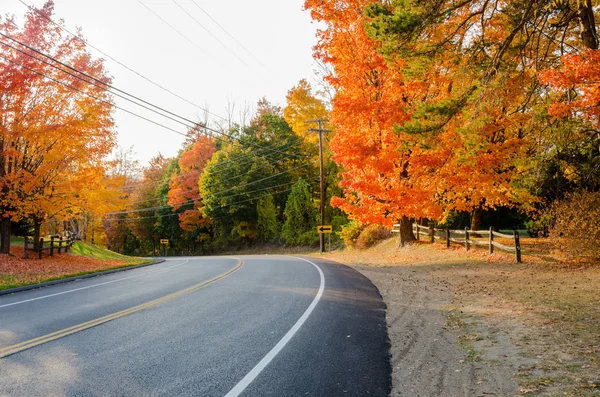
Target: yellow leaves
<point>303,106</point>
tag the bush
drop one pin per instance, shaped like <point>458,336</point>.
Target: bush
<point>576,229</point>
<point>350,232</point>
<point>371,235</point>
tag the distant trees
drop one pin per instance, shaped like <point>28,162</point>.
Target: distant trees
<point>223,190</point>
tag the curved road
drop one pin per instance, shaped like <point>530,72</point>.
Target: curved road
<point>200,326</point>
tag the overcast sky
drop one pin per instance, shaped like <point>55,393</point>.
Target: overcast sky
<point>269,53</point>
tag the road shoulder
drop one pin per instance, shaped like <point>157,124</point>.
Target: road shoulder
<point>428,358</point>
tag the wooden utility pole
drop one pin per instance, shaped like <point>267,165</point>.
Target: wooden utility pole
<point>321,130</point>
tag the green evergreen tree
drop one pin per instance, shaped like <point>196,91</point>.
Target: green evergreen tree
<point>267,226</point>
<point>300,216</point>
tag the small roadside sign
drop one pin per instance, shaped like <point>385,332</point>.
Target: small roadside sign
<point>164,241</point>
<point>323,229</point>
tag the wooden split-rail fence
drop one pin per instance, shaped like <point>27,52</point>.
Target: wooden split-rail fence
<point>467,237</point>
<point>55,242</point>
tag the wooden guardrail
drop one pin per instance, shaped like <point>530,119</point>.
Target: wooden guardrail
<point>55,242</point>
<point>466,237</point>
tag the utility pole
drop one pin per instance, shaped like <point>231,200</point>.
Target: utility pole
<point>321,130</point>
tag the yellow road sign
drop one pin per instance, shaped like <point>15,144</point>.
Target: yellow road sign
<point>324,229</point>
<point>164,241</point>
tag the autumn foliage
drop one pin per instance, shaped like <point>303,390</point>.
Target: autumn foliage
<point>183,187</point>
<point>56,127</point>
<point>439,107</point>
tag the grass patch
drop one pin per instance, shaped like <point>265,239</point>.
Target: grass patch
<point>82,248</point>
<point>17,241</point>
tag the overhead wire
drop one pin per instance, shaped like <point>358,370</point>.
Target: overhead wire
<point>61,27</point>
<point>230,35</point>
<point>222,206</point>
<point>105,86</point>
<point>111,88</point>
<point>110,57</point>
<point>180,33</point>
<point>211,34</point>
<point>219,167</point>
<point>90,95</point>
<point>219,192</point>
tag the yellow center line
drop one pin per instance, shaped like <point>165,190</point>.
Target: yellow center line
<point>9,350</point>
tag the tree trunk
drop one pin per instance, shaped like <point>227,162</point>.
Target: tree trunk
<point>476,218</point>
<point>406,233</point>
<point>589,37</point>
<point>37,225</point>
<point>5,236</point>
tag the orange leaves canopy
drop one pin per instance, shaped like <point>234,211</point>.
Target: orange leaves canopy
<point>52,135</point>
<point>183,188</point>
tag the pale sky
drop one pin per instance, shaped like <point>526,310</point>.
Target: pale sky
<point>276,32</point>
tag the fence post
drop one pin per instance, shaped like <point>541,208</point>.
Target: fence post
<point>467,238</point>
<point>60,241</point>
<point>41,247</point>
<point>25,250</point>
<point>52,245</point>
<point>517,246</point>
<point>447,237</point>
<point>432,234</point>
<point>491,240</point>
<point>418,231</point>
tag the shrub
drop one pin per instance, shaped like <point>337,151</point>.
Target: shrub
<point>576,229</point>
<point>350,232</point>
<point>371,235</point>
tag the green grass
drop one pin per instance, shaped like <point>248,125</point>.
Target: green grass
<point>18,241</point>
<point>93,251</point>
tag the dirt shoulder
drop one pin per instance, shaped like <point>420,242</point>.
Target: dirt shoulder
<point>466,324</point>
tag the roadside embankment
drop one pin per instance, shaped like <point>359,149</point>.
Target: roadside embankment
<point>83,259</point>
<point>468,324</point>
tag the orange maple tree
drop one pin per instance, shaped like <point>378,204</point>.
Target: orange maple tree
<point>371,99</point>
<point>432,115</point>
<point>579,78</point>
<point>56,127</point>
<point>183,187</point>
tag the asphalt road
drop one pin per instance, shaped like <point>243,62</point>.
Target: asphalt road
<point>202,326</point>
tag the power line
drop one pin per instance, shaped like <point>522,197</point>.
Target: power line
<point>175,213</point>
<point>210,33</point>
<point>230,35</point>
<point>61,27</point>
<point>91,96</point>
<point>219,166</point>
<point>105,86</point>
<point>109,87</point>
<point>181,34</point>
<point>268,177</point>
<point>190,201</point>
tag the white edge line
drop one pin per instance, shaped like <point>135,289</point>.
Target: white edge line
<point>95,285</point>
<point>243,384</point>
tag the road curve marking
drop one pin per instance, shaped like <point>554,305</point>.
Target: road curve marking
<point>95,285</point>
<point>243,384</point>
<point>19,347</point>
